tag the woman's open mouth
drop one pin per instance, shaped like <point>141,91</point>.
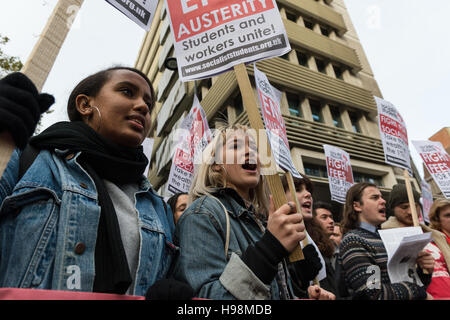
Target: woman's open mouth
<point>307,206</point>
<point>249,166</point>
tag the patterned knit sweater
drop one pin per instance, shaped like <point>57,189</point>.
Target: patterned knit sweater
<point>364,269</point>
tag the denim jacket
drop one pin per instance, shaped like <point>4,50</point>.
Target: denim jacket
<point>49,221</point>
<point>200,234</point>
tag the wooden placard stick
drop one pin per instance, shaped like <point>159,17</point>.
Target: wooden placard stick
<point>412,203</point>
<point>273,179</point>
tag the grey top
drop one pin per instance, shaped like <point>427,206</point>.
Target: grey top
<point>124,203</point>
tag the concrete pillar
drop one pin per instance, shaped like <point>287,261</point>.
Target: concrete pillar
<point>284,104</point>
<point>326,113</point>
<point>300,21</point>
<point>44,53</point>
<point>333,35</point>
<point>297,160</point>
<point>330,71</point>
<point>364,125</point>
<point>306,109</point>
<point>316,28</point>
<point>346,122</point>
<point>312,64</point>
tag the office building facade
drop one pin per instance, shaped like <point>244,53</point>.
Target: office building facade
<point>327,88</point>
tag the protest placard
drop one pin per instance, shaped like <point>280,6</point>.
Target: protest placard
<point>148,149</point>
<point>437,162</point>
<point>193,136</point>
<point>140,11</point>
<point>212,36</point>
<point>427,199</point>
<point>270,101</point>
<point>393,135</point>
<point>340,174</point>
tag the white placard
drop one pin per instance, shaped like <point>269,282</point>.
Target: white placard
<point>193,136</point>
<point>340,174</point>
<point>427,199</point>
<point>393,135</point>
<point>140,11</point>
<point>437,161</point>
<point>212,36</point>
<point>269,101</point>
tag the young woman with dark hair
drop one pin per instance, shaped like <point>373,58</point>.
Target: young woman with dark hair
<point>84,217</point>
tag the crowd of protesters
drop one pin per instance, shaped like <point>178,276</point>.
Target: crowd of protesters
<point>77,213</point>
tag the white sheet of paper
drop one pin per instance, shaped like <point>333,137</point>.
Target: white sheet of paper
<point>402,246</point>
<point>402,266</point>
<point>323,272</point>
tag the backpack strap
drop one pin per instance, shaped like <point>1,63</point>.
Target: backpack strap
<point>26,159</point>
<point>227,217</point>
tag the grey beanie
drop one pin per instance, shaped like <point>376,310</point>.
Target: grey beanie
<point>397,196</point>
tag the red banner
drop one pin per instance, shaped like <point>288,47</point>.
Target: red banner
<point>192,17</point>
<point>38,294</point>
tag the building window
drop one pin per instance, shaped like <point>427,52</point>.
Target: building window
<point>338,72</point>
<point>208,83</point>
<point>294,104</point>
<point>336,116</point>
<point>308,24</point>
<point>302,58</point>
<point>321,66</point>
<point>363,177</point>
<point>291,16</point>
<point>316,110</point>
<point>354,120</point>
<point>325,31</point>
<point>285,56</point>
<point>315,170</point>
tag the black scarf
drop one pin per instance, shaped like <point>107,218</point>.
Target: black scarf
<point>102,159</point>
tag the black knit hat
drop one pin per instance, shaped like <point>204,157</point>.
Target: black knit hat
<point>397,196</point>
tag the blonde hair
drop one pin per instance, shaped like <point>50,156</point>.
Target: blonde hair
<point>438,205</point>
<point>207,180</point>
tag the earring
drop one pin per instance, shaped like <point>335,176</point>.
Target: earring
<point>99,115</point>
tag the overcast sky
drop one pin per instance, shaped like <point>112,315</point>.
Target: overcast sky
<point>406,42</point>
